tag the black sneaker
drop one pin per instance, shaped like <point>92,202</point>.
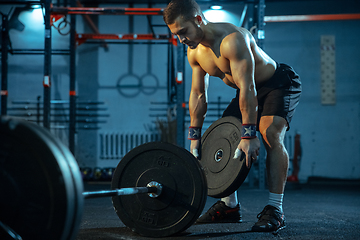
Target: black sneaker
<point>220,213</point>
<point>271,219</point>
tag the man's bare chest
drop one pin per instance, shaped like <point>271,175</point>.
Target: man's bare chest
<point>214,65</point>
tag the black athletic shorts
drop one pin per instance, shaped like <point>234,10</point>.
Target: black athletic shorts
<point>278,96</point>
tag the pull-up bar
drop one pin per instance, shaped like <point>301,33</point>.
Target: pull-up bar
<point>303,18</point>
<point>107,11</point>
<point>81,38</point>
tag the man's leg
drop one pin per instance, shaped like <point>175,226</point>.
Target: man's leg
<point>231,200</point>
<point>273,129</point>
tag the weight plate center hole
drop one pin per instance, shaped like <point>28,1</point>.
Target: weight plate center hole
<point>219,155</point>
<point>158,187</point>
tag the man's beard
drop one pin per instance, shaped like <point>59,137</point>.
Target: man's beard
<point>199,35</point>
<point>192,45</point>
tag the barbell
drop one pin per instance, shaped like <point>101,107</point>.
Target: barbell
<point>158,189</point>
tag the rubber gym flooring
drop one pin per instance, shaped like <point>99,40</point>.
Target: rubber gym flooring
<point>320,209</point>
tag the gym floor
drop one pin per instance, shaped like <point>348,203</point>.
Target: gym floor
<point>320,209</point>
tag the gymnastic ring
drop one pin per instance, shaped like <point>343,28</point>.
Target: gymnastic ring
<point>152,89</point>
<point>130,78</point>
<point>62,25</point>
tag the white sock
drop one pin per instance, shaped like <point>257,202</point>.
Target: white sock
<point>231,200</point>
<point>276,200</point>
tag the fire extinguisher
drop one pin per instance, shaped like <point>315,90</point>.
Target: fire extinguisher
<point>296,160</point>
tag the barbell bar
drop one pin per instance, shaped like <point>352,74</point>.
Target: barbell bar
<point>153,189</point>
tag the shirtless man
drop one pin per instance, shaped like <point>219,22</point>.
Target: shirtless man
<point>267,94</point>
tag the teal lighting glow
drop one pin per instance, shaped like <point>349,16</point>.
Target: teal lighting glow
<point>216,7</point>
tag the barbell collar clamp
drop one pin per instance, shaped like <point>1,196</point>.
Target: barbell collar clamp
<point>158,187</point>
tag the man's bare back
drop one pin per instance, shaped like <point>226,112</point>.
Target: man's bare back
<point>214,63</point>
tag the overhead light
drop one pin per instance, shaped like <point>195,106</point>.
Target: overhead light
<point>216,7</point>
<point>221,16</point>
<point>37,15</point>
<point>36,6</point>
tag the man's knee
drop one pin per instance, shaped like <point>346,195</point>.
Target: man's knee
<point>271,137</point>
<point>273,130</point>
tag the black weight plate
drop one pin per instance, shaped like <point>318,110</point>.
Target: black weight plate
<point>38,193</point>
<point>77,197</point>
<point>183,196</point>
<point>218,144</point>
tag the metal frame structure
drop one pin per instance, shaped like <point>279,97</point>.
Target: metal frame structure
<point>320,17</point>
<point>4,63</point>
<point>50,13</point>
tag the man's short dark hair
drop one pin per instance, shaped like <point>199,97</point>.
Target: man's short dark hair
<point>187,9</point>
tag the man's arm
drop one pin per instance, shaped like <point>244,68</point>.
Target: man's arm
<point>197,102</point>
<point>237,50</point>
<point>197,99</point>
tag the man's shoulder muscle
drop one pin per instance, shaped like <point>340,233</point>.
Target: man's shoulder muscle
<point>235,44</point>
<point>191,55</point>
